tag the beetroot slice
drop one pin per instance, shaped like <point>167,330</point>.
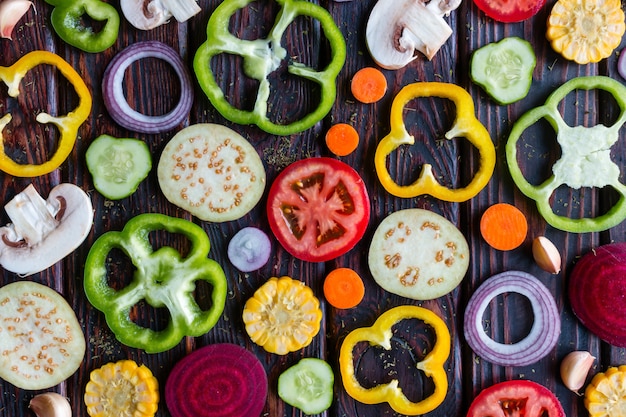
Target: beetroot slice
<point>597,291</point>
<point>219,380</point>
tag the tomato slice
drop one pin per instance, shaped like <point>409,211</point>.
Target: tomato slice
<point>518,397</point>
<point>318,208</point>
<point>510,10</point>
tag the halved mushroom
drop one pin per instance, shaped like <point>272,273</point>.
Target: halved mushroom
<point>148,14</point>
<point>396,29</point>
<point>43,232</point>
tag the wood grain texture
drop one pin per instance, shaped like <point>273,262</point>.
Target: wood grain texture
<point>152,88</point>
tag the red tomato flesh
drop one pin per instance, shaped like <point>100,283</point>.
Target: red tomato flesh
<point>510,10</point>
<point>318,208</point>
<point>518,397</point>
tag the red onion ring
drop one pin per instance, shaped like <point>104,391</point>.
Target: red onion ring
<point>543,335</point>
<point>113,93</point>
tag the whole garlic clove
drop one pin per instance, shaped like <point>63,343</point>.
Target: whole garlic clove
<point>50,404</point>
<point>575,368</point>
<point>546,255</point>
<point>11,11</point>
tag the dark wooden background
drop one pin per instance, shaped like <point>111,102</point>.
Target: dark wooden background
<point>153,89</point>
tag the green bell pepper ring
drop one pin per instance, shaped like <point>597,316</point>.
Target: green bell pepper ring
<point>261,57</point>
<point>163,278</point>
<point>67,21</point>
<point>585,156</point>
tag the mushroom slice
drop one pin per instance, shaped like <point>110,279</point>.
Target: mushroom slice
<point>396,29</point>
<point>42,232</point>
<point>148,14</point>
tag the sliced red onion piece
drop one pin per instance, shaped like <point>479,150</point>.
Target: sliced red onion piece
<point>621,63</point>
<point>113,93</point>
<point>543,335</point>
<point>219,380</point>
<point>249,249</point>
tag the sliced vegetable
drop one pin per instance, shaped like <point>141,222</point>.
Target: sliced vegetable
<point>368,85</point>
<point>212,172</point>
<point>42,232</point>
<point>504,69</point>
<point>418,254</point>
<point>621,63</point>
<point>69,19</point>
<point>118,165</point>
<point>465,125</point>
<point>218,380</point>
<point>318,208</point>
<point>122,388</point>
<point>67,125</point>
<point>261,57</point>
<point>282,316</point>
<point>162,278</point>
<point>154,13</point>
<point>113,89</point>
<point>380,334</point>
<point>11,12</point>
<point>342,139</point>
<point>510,11</point>
<point>249,249</point>
<point>545,330</point>
<point>397,29</point>
<point>42,343</point>
<point>597,289</point>
<point>308,385</point>
<point>503,226</point>
<point>585,31</point>
<point>585,156</point>
<point>516,397</point>
<point>605,396</point>
<point>343,288</point>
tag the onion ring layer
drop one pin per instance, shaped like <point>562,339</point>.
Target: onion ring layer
<point>543,335</point>
<point>113,93</point>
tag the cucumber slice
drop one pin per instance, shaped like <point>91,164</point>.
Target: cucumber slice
<point>308,385</point>
<point>504,69</point>
<point>118,165</point>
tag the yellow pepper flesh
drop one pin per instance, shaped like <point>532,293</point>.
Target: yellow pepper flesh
<point>380,334</point>
<point>68,125</point>
<point>465,125</point>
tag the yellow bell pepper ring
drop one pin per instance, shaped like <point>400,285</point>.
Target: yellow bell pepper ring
<point>68,125</point>
<point>465,125</point>
<point>380,334</point>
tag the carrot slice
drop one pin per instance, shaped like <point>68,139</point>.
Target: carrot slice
<point>503,226</point>
<point>342,139</point>
<point>368,85</point>
<point>343,288</point>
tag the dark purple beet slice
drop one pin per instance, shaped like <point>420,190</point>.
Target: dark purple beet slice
<point>219,380</point>
<point>597,292</point>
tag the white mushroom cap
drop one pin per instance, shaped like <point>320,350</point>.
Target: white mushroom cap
<point>43,232</point>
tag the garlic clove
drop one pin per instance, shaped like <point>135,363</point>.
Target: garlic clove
<point>575,368</point>
<point>546,255</point>
<point>11,11</point>
<point>50,404</point>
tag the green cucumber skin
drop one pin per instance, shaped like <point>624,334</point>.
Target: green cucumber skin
<point>307,385</point>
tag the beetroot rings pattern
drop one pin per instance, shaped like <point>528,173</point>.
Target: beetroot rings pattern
<point>219,380</point>
<point>597,292</point>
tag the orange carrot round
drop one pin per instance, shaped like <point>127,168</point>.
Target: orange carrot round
<point>342,139</point>
<point>343,288</point>
<point>503,226</point>
<point>368,85</point>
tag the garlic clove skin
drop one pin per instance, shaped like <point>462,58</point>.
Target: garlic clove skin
<point>575,368</point>
<point>11,11</point>
<point>546,255</point>
<point>50,404</point>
